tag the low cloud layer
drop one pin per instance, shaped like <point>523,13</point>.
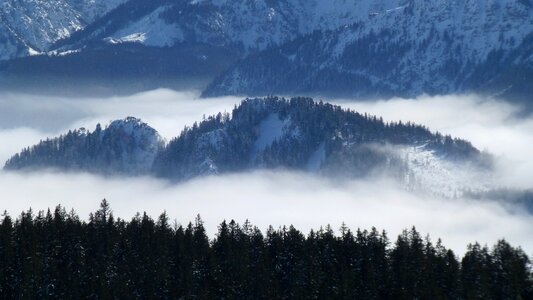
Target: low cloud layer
<point>277,198</point>
<point>493,126</point>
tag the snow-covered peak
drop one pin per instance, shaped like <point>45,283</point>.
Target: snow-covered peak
<point>256,25</point>
<point>137,143</point>
<point>130,125</point>
<point>31,26</point>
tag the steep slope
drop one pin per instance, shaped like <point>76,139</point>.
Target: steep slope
<point>10,43</point>
<point>247,25</point>
<point>125,146</point>
<point>30,26</point>
<point>433,47</point>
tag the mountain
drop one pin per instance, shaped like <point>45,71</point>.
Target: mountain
<point>126,146</point>
<point>348,48</point>
<point>307,136</point>
<point>246,25</point>
<point>433,47</point>
<point>121,69</point>
<point>353,48</point>
<point>144,44</point>
<point>273,133</point>
<point>28,27</point>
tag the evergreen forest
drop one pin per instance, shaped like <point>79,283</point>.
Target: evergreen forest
<point>57,255</point>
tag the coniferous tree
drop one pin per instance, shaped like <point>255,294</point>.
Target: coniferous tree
<point>54,254</point>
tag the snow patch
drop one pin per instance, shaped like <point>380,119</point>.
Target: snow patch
<point>317,158</point>
<point>33,52</point>
<point>151,30</point>
<point>270,129</point>
<point>138,37</point>
<point>429,173</point>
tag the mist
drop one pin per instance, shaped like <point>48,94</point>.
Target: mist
<point>275,197</point>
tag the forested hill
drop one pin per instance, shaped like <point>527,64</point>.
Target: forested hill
<point>56,255</point>
<point>268,133</point>
<point>301,134</point>
<point>126,146</point>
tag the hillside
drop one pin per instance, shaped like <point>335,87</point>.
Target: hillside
<point>126,146</point>
<point>273,133</point>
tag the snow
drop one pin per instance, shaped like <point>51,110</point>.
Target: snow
<point>151,30</point>
<point>33,52</point>
<point>213,138</point>
<point>476,28</point>
<point>29,27</point>
<point>433,174</point>
<point>62,53</point>
<point>208,167</point>
<point>138,37</point>
<point>146,141</point>
<point>270,129</point>
<point>317,158</point>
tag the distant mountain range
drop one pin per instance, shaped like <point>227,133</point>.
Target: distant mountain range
<point>434,47</point>
<point>272,133</point>
<point>362,48</point>
<point>29,27</point>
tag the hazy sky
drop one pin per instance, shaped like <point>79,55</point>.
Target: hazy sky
<point>277,198</point>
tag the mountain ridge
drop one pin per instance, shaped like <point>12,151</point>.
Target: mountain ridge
<point>30,27</point>
<point>296,134</point>
<point>358,48</point>
<point>420,48</point>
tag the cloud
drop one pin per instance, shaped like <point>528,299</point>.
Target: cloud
<point>497,127</point>
<point>276,198</point>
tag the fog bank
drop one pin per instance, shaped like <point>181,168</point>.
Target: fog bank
<point>276,197</point>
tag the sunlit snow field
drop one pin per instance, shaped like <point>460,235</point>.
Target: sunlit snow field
<point>275,197</point>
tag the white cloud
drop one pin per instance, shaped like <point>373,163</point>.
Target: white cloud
<point>494,126</point>
<point>275,198</point>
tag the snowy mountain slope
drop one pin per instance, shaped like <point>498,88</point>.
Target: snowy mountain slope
<point>257,25</point>
<point>90,10</point>
<point>364,48</point>
<point>31,26</point>
<point>429,172</point>
<point>150,30</point>
<point>10,43</point>
<point>248,25</point>
<point>418,47</point>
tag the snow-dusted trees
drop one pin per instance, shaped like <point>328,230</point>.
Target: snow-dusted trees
<point>291,133</point>
<point>297,134</point>
<point>125,146</point>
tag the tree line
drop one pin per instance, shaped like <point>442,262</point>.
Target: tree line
<point>56,255</point>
